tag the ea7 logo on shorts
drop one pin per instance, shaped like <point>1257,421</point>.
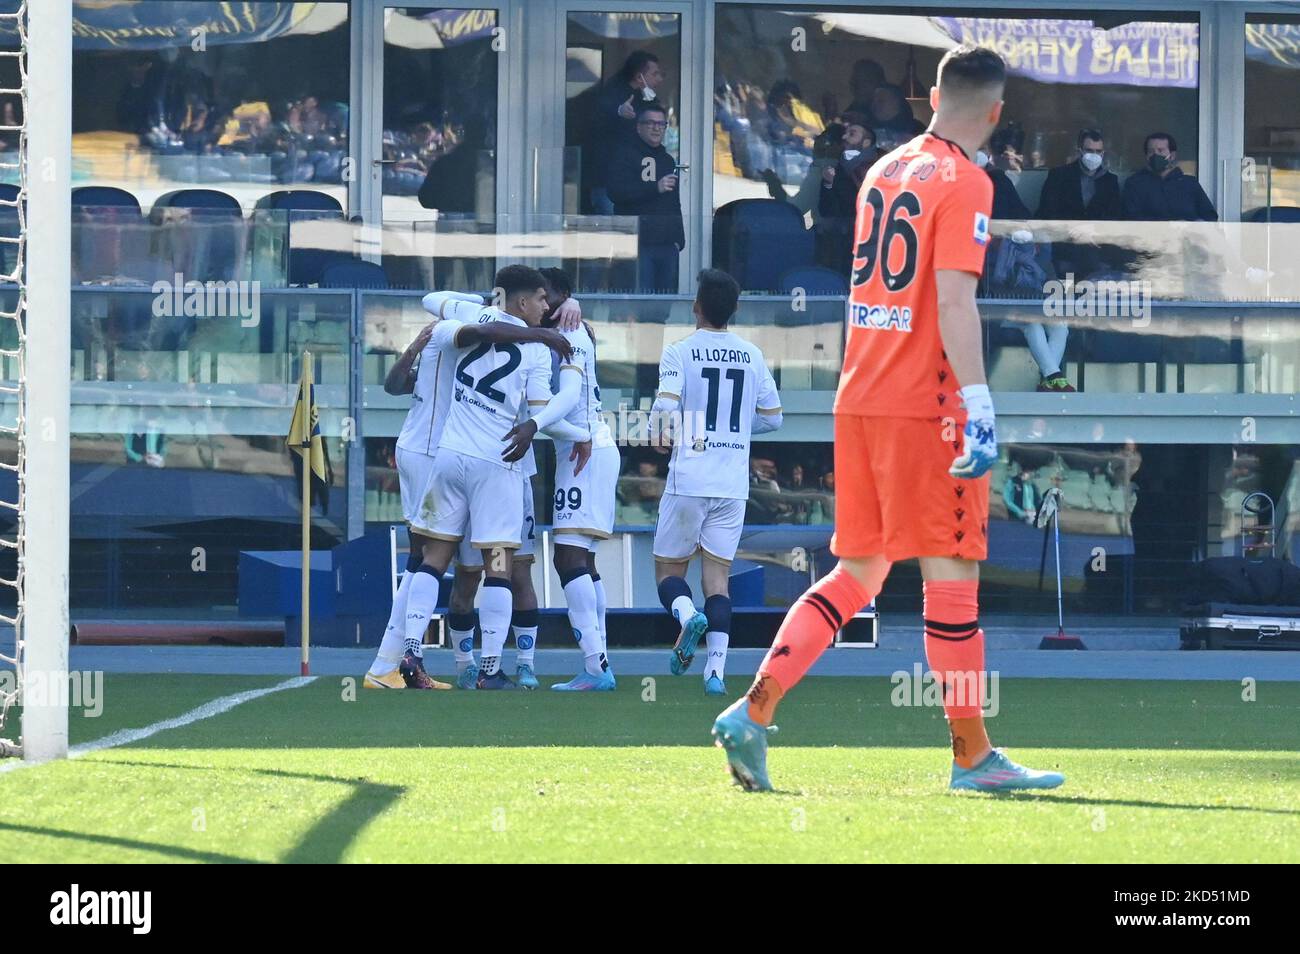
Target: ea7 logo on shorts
<point>981,229</point>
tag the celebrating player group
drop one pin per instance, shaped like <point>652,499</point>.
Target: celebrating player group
<point>914,440</point>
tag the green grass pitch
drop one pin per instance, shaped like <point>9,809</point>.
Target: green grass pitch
<point>1156,771</point>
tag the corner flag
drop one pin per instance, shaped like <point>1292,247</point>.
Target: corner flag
<point>306,421</point>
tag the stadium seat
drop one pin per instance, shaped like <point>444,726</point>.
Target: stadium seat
<point>353,273</point>
<point>110,240</point>
<point>814,280</point>
<point>306,263</point>
<point>207,244</point>
<point>756,240</point>
<point>1275,213</point>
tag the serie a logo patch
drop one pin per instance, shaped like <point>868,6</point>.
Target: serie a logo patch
<point>981,228</point>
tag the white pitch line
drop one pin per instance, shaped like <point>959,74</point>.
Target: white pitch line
<point>206,711</point>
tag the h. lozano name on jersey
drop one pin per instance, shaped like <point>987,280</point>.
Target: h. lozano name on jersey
<point>721,355</point>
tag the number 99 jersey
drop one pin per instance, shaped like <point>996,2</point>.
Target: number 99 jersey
<point>720,381</point>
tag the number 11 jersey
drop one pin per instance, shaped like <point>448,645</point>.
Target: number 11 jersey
<point>721,381</point>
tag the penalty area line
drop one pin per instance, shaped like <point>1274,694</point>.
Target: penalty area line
<point>215,707</point>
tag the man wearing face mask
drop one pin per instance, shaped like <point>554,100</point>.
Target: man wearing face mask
<point>614,122</point>
<point>1083,190</point>
<point>1161,192</point>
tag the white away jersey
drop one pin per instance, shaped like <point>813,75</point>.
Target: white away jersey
<point>493,386</point>
<point>720,380</point>
<point>587,413</point>
<point>422,428</point>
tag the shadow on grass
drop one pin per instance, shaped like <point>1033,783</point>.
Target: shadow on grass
<point>176,852</point>
<point>1129,803</point>
<point>327,840</point>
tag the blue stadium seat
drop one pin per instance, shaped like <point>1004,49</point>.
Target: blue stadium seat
<point>353,273</point>
<point>209,243</point>
<point>1275,213</point>
<point>104,197</point>
<point>109,237</point>
<point>306,263</point>
<point>814,280</point>
<point>756,240</point>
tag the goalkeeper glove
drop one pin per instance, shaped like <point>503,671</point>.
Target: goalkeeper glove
<point>980,450</point>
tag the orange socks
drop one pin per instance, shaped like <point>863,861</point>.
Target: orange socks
<point>954,650</point>
<point>807,630</point>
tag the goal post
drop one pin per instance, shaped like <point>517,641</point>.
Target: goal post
<point>44,372</point>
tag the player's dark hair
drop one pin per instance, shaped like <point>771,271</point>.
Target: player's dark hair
<point>968,69</point>
<point>636,62</point>
<point>1092,133</point>
<point>1173,146</point>
<point>717,296</point>
<point>558,281</point>
<point>514,279</point>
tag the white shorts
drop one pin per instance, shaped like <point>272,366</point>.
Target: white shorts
<point>473,499</point>
<point>413,473</point>
<point>689,524</point>
<point>413,469</point>
<point>528,532</point>
<point>472,559</point>
<point>585,504</point>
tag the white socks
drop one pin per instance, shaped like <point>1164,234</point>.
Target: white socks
<point>580,594</point>
<point>421,601</point>
<point>390,647</point>
<point>717,664</point>
<point>600,613</point>
<point>494,620</point>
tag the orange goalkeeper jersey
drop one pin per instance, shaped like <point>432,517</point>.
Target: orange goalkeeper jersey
<point>921,208</point>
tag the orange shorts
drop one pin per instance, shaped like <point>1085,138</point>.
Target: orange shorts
<point>894,495</point>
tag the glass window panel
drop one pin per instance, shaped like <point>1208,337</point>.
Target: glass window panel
<point>183,95</point>
<point>1271,179</point>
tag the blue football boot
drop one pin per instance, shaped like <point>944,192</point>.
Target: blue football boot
<point>997,773</point>
<point>586,682</point>
<point>684,650</point>
<point>745,742</point>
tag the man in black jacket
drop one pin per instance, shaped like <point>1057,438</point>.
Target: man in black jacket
<point>615,118</point>
<point>643,182</point>
<point>837,205</point>
<point>1161,192</point>
<point>1083,190</point>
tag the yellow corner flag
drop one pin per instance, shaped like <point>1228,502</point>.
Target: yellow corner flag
<point>305,439</point>
<point>305,423</point>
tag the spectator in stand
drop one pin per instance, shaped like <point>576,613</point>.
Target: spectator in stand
<point>827,149</point>
<point>1021,496</point>
<point>792,127</point>
<point>1083,190</point>
<point>1015,266</point>
<point>839,193</point>
<point>642,181</point>
<point>868,76</point>
<point>1162,192</point>
<point>616,117</point>
<point>891,118</point>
